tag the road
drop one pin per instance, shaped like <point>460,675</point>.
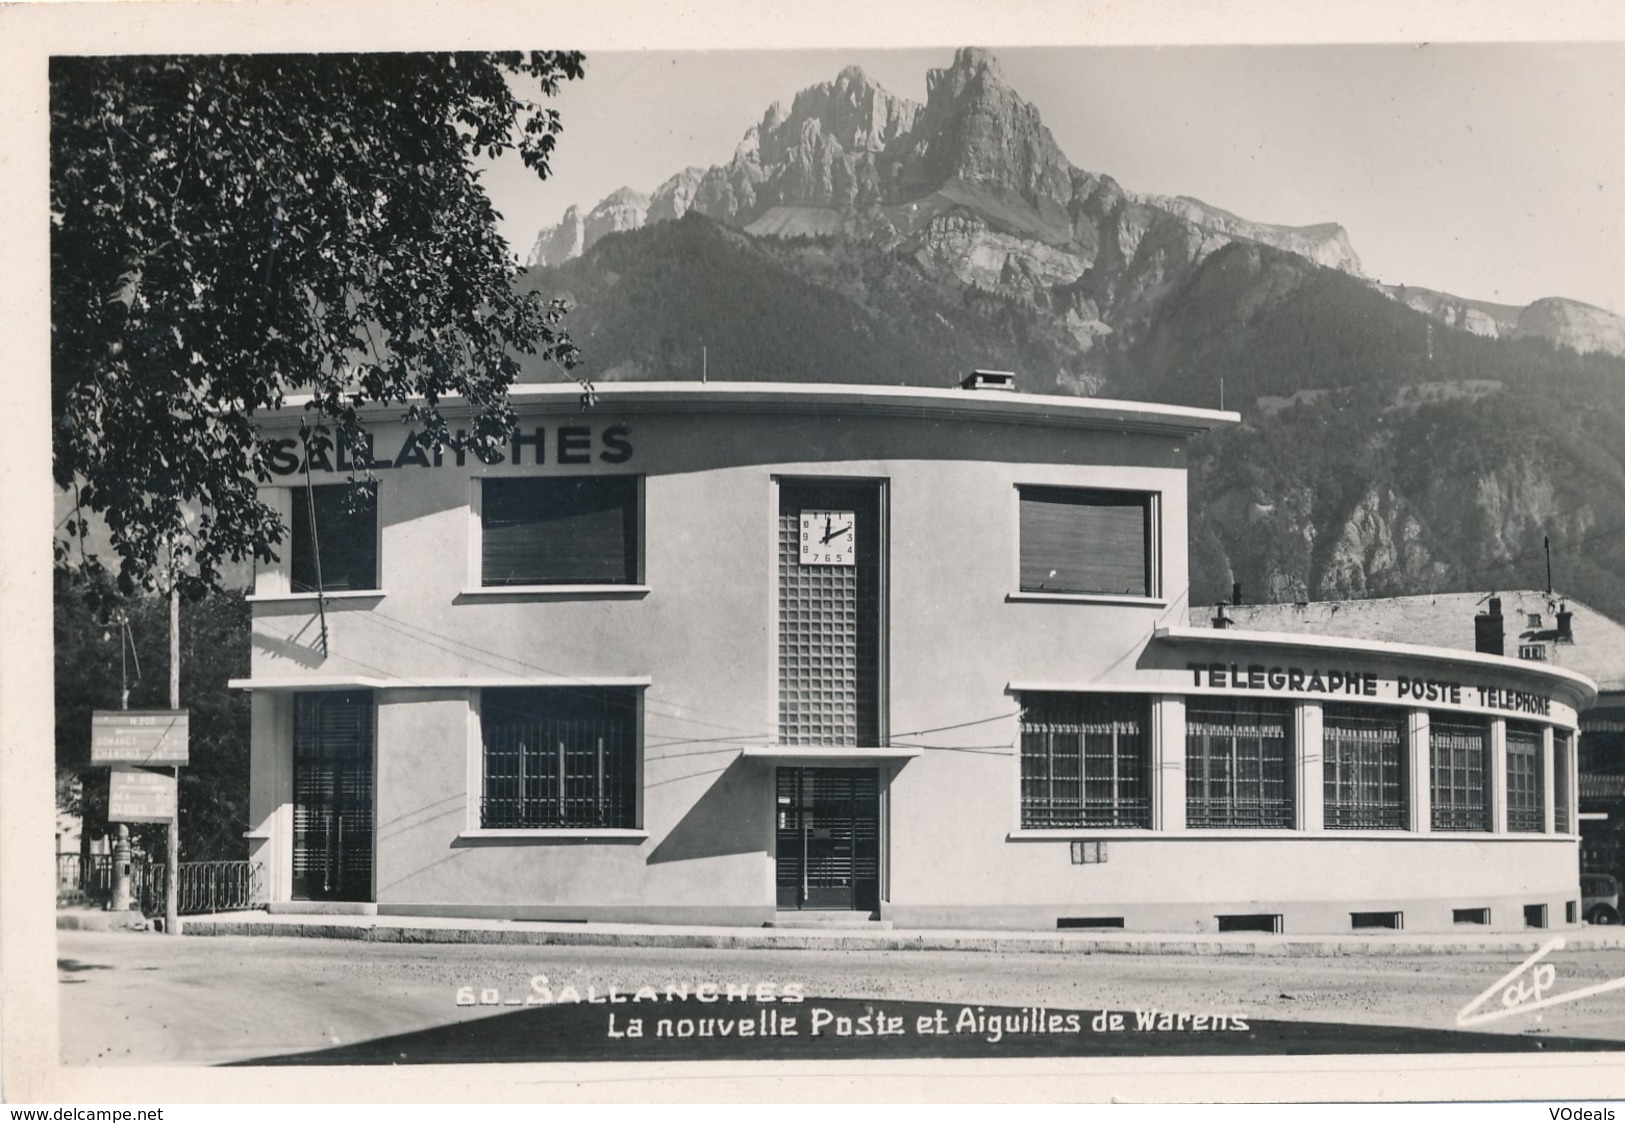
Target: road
<point>139,998</point>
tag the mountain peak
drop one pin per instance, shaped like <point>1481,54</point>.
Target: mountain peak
<point>977,61</point>
<point>977,129</point>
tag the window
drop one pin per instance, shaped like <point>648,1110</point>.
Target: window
<point>1525,795</point>
<point>1364,768</point>
<point>1088,542</point>
<point>1562,763</point>
<point>1084,761</point>
<point>559,530</point>
<point>559,757</point>
<point>338,549</point>
<point>1458,750</point>
<point>1238,764</point>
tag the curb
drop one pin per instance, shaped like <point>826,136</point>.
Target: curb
<point>852,941</point>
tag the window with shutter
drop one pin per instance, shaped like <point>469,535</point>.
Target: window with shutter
<point>559,757</point>
<point>1084,761</point>
<point>1562,763</point>
<point>1364,767</point>
<point>1459,749</point>
<point>1085,541</point>
<point>559,530</point>
<point>1526,806</point>
<point>1238,764</point>
<point>338,549</point>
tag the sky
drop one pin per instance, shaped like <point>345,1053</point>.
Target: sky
<point>1491,171</point>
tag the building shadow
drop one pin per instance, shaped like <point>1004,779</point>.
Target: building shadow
<point>731,817</point>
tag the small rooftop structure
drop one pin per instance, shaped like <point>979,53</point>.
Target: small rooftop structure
<point>989,380</point>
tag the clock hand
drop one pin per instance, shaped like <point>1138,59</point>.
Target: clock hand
<point>830,535</point>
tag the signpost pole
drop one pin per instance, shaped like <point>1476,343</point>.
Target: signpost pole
<point>121,846</point>
<point>172,871</point>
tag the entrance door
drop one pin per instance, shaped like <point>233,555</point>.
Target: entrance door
<point>332,796</point>
<point>829,838</point>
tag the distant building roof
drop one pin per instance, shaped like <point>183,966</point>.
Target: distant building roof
<point>1446,620</point>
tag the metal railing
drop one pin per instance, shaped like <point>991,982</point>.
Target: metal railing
<point>220,886</point>
<point>91,882</point>
<point>203,887</point>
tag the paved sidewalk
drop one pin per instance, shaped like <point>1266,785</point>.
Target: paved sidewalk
<point>417,929</point>
<point>86,918</point>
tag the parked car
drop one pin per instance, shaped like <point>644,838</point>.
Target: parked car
<point>1599,898</point>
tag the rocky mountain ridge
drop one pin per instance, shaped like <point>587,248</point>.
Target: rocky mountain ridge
<point>973,185</point>
<point>1379,453</point>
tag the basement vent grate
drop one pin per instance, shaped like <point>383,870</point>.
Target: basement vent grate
<point>1251,922</point>
<point>1089,922</point>
<point>1377,920</point>
<point>1470,916</point>
<point>1534,916</point>
<point>1088,853</point>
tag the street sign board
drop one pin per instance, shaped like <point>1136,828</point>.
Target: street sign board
<point>134,796</point>
<point>138,737</point>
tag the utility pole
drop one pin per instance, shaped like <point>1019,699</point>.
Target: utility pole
<point>172,913</point>
<point>121,843</point>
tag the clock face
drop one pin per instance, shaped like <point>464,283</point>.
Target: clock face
<point>828,538</point>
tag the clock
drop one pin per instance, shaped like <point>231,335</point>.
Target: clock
<point>828,538</point>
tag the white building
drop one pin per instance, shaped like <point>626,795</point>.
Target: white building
<point>721,653</point>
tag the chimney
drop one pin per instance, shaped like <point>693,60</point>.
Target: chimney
<point>989,380</point>
<point>1235,592</point>
<point>1565,624</point>
<point>1220,620</point>
<point>1489,637</point>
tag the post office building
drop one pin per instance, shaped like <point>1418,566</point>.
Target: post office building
<point>738,653</point>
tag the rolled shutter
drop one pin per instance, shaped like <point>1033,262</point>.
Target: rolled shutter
<point>1075,541</point>
<point>563,530</point>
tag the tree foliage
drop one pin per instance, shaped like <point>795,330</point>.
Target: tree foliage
<point>227,231</point>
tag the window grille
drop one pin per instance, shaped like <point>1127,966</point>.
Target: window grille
<point>1238,764</point>
<point>1457,751</point>
<point>1081,541</point>
<point>1525,805</point>
<point>1364,768</point>
<point>559,757</point>
<point>345,539</point>
<point>1084,761</point>
<point>1562,764</point>
<point>559,530</point>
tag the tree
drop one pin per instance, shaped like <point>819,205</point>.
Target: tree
<point>227,231</point>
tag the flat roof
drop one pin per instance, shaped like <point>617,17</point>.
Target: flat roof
<point>1596,648</point>
<point>922,402</point>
